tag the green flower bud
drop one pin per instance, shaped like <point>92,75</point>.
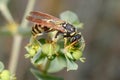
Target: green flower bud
<point>77,54</point>
<point>32,52</point>
<point>5,75</point>
<point>48,49</point>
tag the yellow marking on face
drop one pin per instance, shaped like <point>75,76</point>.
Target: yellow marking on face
<point>72,33</point>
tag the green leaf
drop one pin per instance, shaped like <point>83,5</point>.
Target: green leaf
<point>69,55</point>
<point>42,41</point>
<point>4,1</point>
<point>1,66</point>
<point>33,47</point>
<point>71,18</point>
<point>36,56</point>
<point>41,76</point>
<point>77,24</point>
<point>71,65</point>
<point>57,64</point>
<point>42,62</point>
<point>77,54</point>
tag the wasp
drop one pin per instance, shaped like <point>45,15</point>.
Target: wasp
<point>47,23</point>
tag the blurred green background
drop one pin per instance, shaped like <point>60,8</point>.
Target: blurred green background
<point>101,31</point>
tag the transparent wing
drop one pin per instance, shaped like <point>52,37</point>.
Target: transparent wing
<point>46,16</point>
<point>45,23</point>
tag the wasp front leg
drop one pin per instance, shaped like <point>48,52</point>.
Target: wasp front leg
<point>74,40</point>
<point>65,41</point>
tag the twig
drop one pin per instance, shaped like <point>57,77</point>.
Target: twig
<point>18,40</point>
<point>6,13</point>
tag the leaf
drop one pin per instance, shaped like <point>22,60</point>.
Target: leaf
<point>36,56</point>
<point>78,24</point>
<point>71,18</point>
<point>69,55</point>
<point>41,63</point>
<point>77,54</point>
<point>57,64</point>
<point>82,44</point>
<point>71,65</point>
<point>42,41</point>
<point>1,66</point>
<point>41,76</point>
<point>33,47</point>
<point>4,1</point>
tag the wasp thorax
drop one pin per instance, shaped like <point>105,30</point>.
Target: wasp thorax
<point>70,29</point>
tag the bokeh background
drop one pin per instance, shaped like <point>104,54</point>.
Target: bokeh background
<point>101,31</point>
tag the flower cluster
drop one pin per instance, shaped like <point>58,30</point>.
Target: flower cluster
<point>51,55</point>
<point>5,74</point>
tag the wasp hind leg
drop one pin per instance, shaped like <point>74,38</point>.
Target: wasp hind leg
<point>54,39</point>
<point>36,35</point>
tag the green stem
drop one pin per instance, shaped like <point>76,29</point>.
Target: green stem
<point>29,8</point>
<point>6,13</point>
<point>46,67</point>
<point>18,40</point>
<point>15,53</point>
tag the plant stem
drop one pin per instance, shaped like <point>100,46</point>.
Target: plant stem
<point>6,13</point>
<point>18,40</point>
<point>15,53</point>
<point>46,66</point>
<point>29,8</point>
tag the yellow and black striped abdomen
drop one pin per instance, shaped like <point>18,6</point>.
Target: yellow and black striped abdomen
<point>36,29</point>
<point>39,29</point>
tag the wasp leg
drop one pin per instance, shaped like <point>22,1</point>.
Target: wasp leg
<point>71,44</point>
<point>36,35</point>
<point>65,41</point>
<point>55,38</point>
<point>57,34</point>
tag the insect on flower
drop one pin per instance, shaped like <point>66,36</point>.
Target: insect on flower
<point>47,23</point>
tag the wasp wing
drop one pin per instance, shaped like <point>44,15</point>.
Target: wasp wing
<point>47,16</point>
<point>45,23</point>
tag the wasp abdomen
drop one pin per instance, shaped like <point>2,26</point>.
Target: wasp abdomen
<point>36,29</point>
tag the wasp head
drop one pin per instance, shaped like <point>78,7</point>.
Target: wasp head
<point>70,30</point>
